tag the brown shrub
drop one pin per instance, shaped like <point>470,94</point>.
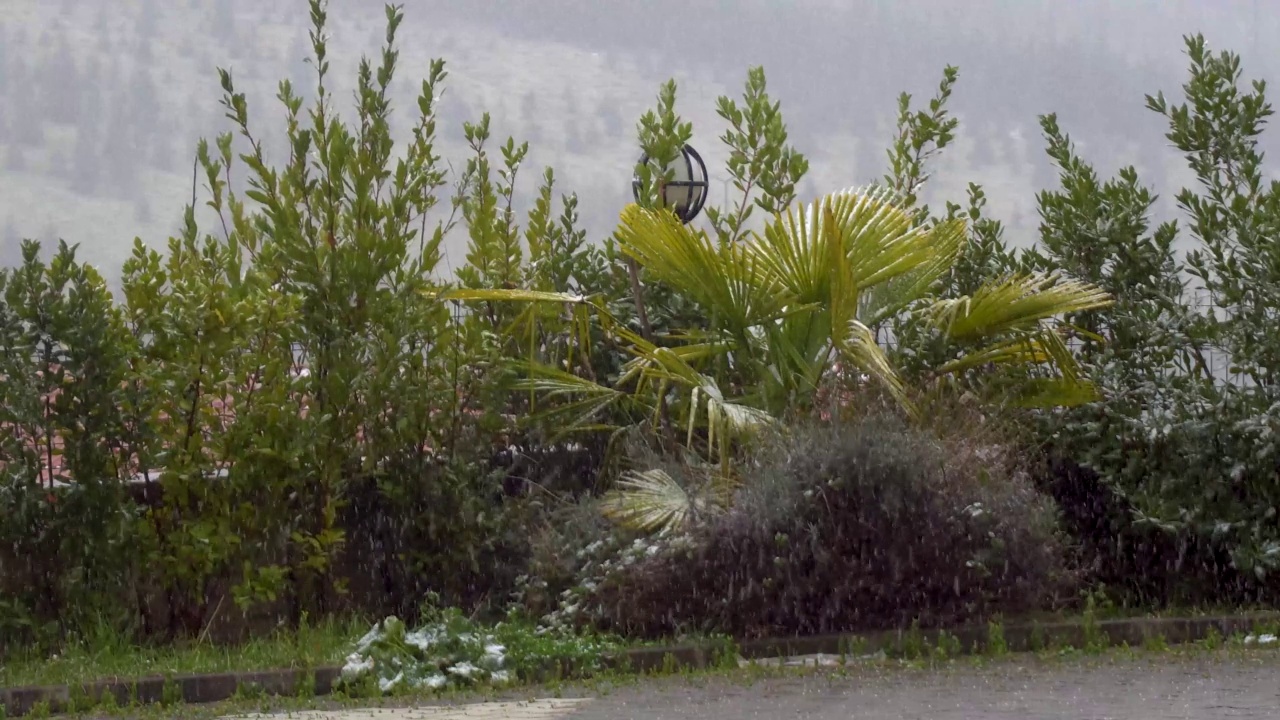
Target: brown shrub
<point>852,526</point>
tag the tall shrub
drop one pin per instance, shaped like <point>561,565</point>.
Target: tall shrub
<point>1182,441</point>
<point>67,549</point>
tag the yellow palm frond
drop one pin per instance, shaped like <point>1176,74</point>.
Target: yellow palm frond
<point>652,501</point>
<point>583,401</point>
<point>877,238</point>
<point>724,419</point>
<point>725,280</point>
<point>1016,303</point>
<point>1028,348</point>
<point>1017,351</point>
<point>795,250</point>
<point>860,349</point>
<point>507,295</point>
<point>855,341</point>
<point>888,298</point>
<point>1053,392</point>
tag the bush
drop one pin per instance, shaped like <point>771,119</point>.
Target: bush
<point>452,651</point>
<point>1170,477</point>
<point>850,527</point>
<point>63,414</point>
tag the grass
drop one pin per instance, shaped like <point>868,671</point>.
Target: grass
<point>107,656</point>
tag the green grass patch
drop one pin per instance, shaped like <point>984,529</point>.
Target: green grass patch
<point>108,657</point>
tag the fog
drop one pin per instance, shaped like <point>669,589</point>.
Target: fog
<point>103,101</point>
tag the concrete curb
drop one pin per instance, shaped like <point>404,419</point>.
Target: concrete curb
<point>195,689</point>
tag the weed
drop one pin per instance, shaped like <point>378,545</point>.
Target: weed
<point>170,693</point>
<point>724,654</point>
<point>77,700</point>
<point>1095,640</point>
<point>1155,642</point>
<point>249,691</point>
<point>107,703</point>
<point>913,643</point>
<point>948,647</point>
<point>1212,639</point>
<point>306,687</point>
<point>997,646</point>
<point>1037,640</point>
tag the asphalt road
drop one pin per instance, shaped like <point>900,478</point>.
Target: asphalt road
<point>1162,688</point>
<point>1206,690</point>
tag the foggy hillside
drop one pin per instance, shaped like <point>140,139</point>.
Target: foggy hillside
<point>102,101</point>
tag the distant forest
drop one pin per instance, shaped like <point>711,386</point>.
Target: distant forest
<point>96,97</point>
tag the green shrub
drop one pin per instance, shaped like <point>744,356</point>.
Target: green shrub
<point>450,650</point>
<point>1169,478</point>
<point>64,357</point>
<point>300,350</point>
<point>849,526</point>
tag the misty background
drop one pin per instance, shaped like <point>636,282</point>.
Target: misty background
<point>102,101</point>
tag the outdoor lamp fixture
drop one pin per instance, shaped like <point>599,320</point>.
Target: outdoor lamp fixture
<point>686,192</point>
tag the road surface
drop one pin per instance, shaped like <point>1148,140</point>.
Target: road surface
<point>1160,688</point>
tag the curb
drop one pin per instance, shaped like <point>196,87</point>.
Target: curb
<point>972,639</point>
<point>199,689</point>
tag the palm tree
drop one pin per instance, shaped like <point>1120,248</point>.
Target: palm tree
<point>789,307</point>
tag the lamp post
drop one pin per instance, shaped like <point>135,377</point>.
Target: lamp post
<point>686,191</point>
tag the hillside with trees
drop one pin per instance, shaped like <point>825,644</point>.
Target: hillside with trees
<point>101,103</point>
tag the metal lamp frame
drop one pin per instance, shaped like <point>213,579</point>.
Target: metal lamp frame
<point>698,180</point>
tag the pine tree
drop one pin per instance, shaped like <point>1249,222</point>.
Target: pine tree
<point>15,161</point>
<point>531,122</point>
<point>223,22</point>
<point>120,149</point>
<point>615,127</point>
<point>24,123</point>
<point>10,245</point>
<point>141,210</point>
<point>61,83</point>
<point>5,64</point>
<point>84,171</point>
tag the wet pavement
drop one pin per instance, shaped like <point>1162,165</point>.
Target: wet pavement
<point>1158,689</point>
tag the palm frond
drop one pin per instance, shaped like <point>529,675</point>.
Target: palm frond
<point>855,341</point>
<point>726,421</point>
<point>1027,349</point>
<point>724,280</point>
<point>1042,393</point>
<point>508,295</point>
<point>880,238</point>
<point>794,250</point>
<point>861,350</point>
<point>651,501</point>
<point>1020,350</point>
<point>876,236</point>
<point>553,381</point>
<point>886,299</point>
<point>1016,303</point>
<point>584,400</point>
